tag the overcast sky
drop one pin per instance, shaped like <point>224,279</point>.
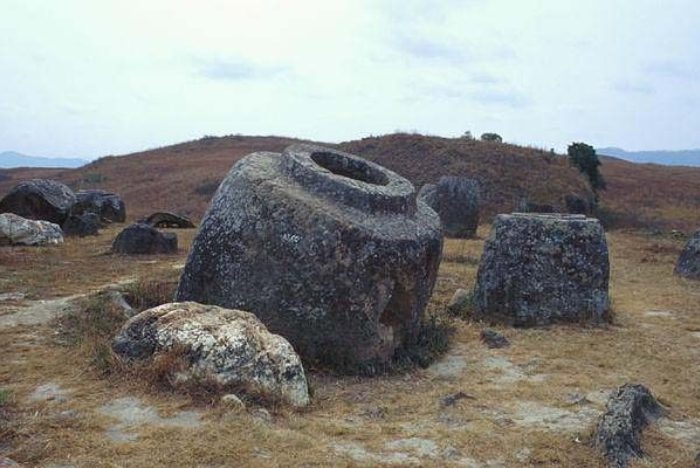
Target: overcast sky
<point>96,77</point>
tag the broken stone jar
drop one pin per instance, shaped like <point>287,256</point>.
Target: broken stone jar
<point>329,250</point>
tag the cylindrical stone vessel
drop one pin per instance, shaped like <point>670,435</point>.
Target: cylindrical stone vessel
<point>538,269</point>
<point>456,201</point>
<point>329,250</point>
<point>688,265</point>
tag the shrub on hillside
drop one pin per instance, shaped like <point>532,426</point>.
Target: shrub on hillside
<point>492,137</point>
<point>207,188</point>
<point>94,178</point>
<point>584,158</point>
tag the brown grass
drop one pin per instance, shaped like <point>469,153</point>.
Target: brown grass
<point>657,350</point>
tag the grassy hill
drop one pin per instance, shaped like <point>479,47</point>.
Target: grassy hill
<point>183,177</point>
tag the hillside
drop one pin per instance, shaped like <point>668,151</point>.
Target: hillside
<point>182,177</point>
<point>651,195</point>
<point>506,173</point>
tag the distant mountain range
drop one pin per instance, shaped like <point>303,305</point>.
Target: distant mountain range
<point>10,159</point>
<point>669,158</point>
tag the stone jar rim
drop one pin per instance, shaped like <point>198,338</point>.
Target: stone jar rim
<point>348,179</point>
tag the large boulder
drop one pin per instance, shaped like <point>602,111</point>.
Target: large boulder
<point>108,206</point>
<point>16,230</point>
<point>86,224</point>
<point>143,239</point>
<point>456,201</point>
<point>230,347</point>
<point>538,269</point>
<point>329,250</point>
<point>40,199</point>
<point>165,219</point>
<point>688,265</point>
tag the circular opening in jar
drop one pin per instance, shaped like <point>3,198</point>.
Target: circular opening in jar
<point>350,168</point>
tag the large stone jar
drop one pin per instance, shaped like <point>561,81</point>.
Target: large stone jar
<point>688,265</point>
<point>538,269</point>
<point>329,250</point>
<point>456,201</point>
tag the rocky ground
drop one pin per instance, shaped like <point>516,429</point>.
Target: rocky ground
<point>534,402</point>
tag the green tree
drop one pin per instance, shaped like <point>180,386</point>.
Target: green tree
<point>583,157</point>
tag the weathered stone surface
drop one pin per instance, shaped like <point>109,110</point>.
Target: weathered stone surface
<point>688,265</point>
<point>39,199</point>
<point>456,201</point>
<point>538,269</point>
<point>329,250</point>
<point>108,206</point>
<point>143,239</point>
<point>164,219</point>
<point>16,230</point>
<point>86,224</point>
<point>627,412</point>
<point>230,346</point>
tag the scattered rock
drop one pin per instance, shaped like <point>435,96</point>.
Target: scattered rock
<point>109,207</point>
<point>130,412</point>
<point>552,418</point>
<point>460,303</point>
<point>327,249</point>
<point>49,392</point>
<point>451,399</point>
<point>143,239</point>
<point>539,269</point>
<point>418,446</point>
<point>230,347</point>
<point>87,224</point>
<point>618,433</point>
<point>688,265</point>
<point>39,199</point>
<point>232,401</point>
<point>16,230</point>
<point>493,339</point>
<point>164,219</point>
<point>686,431</point>
<point>360,454</point>
<point>456,201</point>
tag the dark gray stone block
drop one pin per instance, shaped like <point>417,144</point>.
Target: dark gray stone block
<point>538,269</point>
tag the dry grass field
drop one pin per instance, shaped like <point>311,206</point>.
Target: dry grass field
<point>531,404</point>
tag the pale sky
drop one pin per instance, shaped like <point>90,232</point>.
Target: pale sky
<point>96,77</point>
